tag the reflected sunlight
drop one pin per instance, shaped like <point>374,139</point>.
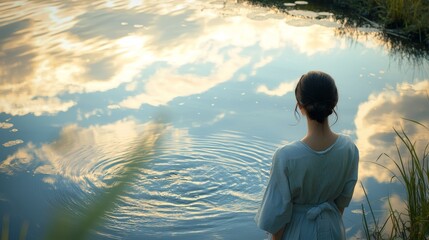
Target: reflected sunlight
<point>83,83</point>
<point>281,90</point>
<point>86,156</point>
<point>63,57</point>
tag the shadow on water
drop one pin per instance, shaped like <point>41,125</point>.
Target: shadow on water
<point>354,25</point>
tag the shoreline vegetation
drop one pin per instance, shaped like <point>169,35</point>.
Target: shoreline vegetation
<point>403,24</point>
<point>404,18</point>
<point>413,174</point>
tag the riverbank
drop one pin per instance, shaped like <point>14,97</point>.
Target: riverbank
<point>399,20</point>
<point>408,18</point>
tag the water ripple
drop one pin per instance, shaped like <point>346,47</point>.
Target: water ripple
<point>197,186</point>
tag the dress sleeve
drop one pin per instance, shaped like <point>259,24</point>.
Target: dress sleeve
<point>276,207</point>
<point>346,195</point>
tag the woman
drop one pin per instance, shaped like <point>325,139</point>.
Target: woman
<point>311,180</point>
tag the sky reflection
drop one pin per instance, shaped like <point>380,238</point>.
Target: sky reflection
<point>190,179</point>
<point>379,115</point>
<point>61,51</point>
<point>86,156</point>
<point>80,82</point>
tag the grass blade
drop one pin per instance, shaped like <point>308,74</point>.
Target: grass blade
<point>68,226</point>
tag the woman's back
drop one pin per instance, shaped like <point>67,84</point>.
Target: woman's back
<point>319,176</point>
<point>308,190</point>
<point>303,181</point>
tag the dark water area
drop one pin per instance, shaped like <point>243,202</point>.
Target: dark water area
<point>80,84</point>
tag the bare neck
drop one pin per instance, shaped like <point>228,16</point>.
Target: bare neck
<point>319,135</point>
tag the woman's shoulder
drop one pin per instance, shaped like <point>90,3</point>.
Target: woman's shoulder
<point>346,141</point>
<point>289,149</point>
<point>284,155</point>
<point>346,144</point>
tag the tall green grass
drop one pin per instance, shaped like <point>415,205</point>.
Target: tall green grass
<point>5,229</point>
<point>409,18</point>
<point>403,19</point>
<point>79,221</point>
<point>68,225</point>
<point>413,173</point>
<point>409,15</point>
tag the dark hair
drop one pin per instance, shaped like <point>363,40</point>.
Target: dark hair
<point>317,93</point>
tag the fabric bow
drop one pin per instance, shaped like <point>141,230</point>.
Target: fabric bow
<point>314,212</point>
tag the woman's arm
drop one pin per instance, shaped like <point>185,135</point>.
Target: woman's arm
<point>279,234</point>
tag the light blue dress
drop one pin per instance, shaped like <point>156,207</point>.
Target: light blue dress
<point>307,187</point>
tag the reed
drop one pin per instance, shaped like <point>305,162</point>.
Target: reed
<point>399,18</point>
<point>85,217</point>
<point>409,15</point>
<point>414,176</point>
<point>408,18</point>
<point>67,225</point>
<point>5,229</point>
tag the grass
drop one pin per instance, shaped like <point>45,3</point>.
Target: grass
<point>404,24</point>
<point>409,15</point>
<point>408,18</point>
<point>5,229</point>
<point>67,225</point>
<point>414,176</point>
<point>77,221</point>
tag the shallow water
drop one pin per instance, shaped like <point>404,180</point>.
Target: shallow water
<point>81,83</point>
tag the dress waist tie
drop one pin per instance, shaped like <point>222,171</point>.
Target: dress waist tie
<point>324,227</point>
<point>312,211</point>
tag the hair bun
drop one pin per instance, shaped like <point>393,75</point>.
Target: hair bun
<point>318,111</point>
<point>317,93</point>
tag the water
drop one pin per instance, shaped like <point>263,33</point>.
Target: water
<point>81,83</point>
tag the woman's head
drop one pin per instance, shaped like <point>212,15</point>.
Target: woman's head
<point>317,94</point>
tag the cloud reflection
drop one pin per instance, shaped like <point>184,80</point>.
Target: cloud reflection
<point>206,178</point>
<point>5,125</point>
<point>166,85</point>
<point>86,156</point>
<point>375,121</point>
<point>12,143</point>
<point>281,90</point>
<point>54,50</point>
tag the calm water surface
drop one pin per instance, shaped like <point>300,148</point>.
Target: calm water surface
<point>81,83</point>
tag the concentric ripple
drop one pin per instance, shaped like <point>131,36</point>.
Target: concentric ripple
<point>195,186</point>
